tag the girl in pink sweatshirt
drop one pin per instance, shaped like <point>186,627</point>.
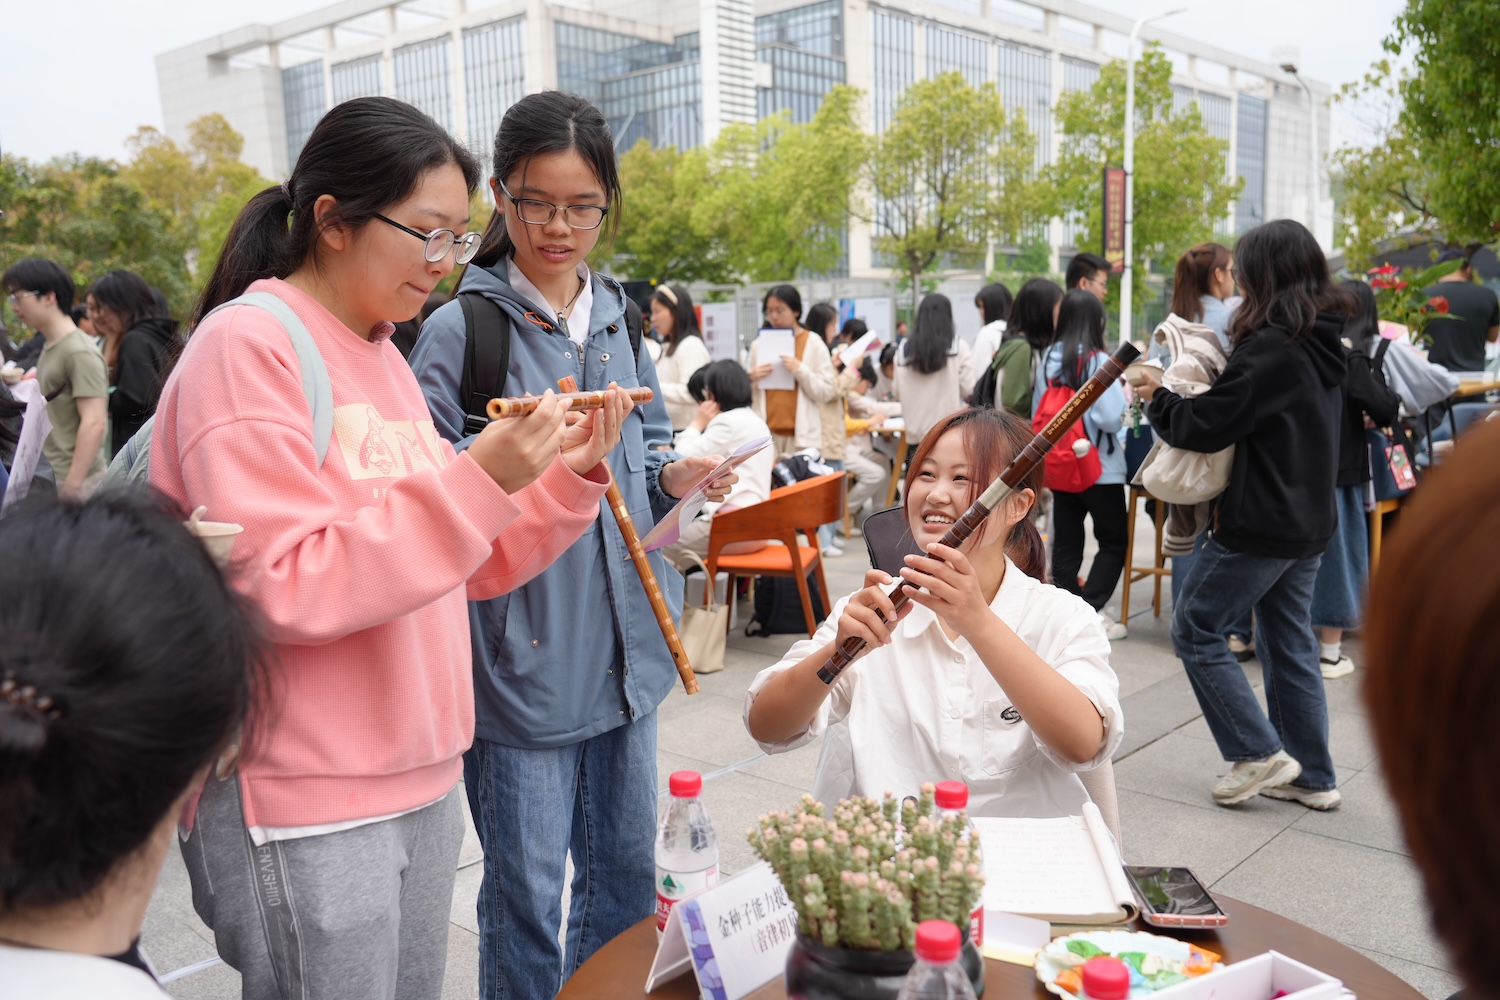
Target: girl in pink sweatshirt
<point>324,861</point>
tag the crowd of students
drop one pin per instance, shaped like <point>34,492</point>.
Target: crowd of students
<point>416,598</point>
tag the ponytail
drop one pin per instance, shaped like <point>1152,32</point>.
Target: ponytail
<point>1027,550</point>
<point>367,155</point>
<point>1191,276</point>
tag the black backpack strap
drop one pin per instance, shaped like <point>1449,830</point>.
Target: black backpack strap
<point>633,327</point>
<point>1378,361</point>
<point>487,332</point>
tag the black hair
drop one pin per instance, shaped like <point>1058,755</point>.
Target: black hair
<point>867,369</point>
<point>1080,333</point>
<point>888,354</point>
<point>932,334</point>
<point>994,302</point>
<point>368,154</point>
<point>79,314</point>
<point>35,274</point>
<point>818,318</point>
<point>854,328</point>
<point>120,694</point>
<point>684,318</point>
<point>1084,265</point>
<point>127,293</point>
<point>695,384</point>
<point>552,121</point>
<point>727,383</point>
<point>787,296</point>
<point>1362,328</point>
<point>1283,275</point>
<point>1031,312</point>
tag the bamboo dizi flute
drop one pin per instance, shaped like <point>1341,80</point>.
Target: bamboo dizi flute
<point>638,554</point>
<point>1020,467</point>
<point>516,406</point>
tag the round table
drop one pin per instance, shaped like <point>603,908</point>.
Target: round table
<point>618,970</point>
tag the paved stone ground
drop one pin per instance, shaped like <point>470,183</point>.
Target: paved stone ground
<point>1346,873</point>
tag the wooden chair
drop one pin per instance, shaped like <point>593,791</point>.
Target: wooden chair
<point>1133,572</point>
<point>800,507</point>
<point>1377,528</point>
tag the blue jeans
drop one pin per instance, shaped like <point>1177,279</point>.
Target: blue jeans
<point>1221,586</point>
<point>826,531</point>
<point>1243,626</point>
<point>595,799</point>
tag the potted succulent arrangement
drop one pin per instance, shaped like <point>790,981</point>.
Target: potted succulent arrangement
<point>862,876</point>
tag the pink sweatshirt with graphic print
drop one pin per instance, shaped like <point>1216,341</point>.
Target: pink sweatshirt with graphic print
<point>361,568</point>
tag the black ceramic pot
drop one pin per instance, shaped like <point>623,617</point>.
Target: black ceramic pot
<point>814,972</point>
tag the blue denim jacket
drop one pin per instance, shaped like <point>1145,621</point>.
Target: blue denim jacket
<point>577,651</point>
<point>1102,420</point>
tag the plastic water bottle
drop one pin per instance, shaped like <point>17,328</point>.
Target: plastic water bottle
<point>950,797</point>
<point>687,848</point>
<point>937,974</point>
<point>1105,978</point>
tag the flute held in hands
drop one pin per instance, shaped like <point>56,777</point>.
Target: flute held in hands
<point>516,406</point>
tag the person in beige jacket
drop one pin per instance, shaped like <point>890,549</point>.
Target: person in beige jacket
<point>792,414</point>
<point>683,351</point>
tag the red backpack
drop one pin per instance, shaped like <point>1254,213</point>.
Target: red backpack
<point>1065,470</point>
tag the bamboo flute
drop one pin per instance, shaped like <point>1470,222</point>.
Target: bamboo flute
<point>616,499</point>
<point>1019,468</point>
<point>516,406</point>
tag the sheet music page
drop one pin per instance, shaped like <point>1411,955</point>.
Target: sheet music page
<point>1046,868</point>
<point>771,344</point>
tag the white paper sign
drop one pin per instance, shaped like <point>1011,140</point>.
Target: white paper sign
<point>670,528</point>
<point>35,427</point>
<point>771,345</point>
<point>734,935</point>
<point>719,333</point>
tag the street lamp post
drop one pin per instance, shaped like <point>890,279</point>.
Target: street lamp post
<point>1127,277</point>
<point>1312,124</point>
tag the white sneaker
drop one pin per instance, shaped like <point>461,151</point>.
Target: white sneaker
<point>1334,669</point>
<point>1113,629</point>
<point>1241,649</point>
<point>832,551</point>
<point>1247,778</point>
<point>1321,801</point>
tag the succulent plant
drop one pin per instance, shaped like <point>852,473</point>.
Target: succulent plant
<point>864,873</point>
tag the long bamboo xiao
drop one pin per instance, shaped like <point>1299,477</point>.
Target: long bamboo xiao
<point>1019,468</point>
<point>516,406</point>
<point>616,499</point>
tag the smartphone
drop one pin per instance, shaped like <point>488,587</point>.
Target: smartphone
<point>1173,897</point>
<point>889,541</point>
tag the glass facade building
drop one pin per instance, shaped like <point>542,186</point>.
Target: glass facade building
<point>424,78</point>
<point>957,52</point>
<point>1250,163</point>
<point>494,78</point>
<point>356,78</point>
<point>664,106</point>
<point>302,90</point>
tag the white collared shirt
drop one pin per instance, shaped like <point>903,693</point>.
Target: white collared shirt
<point>925,708</point>
<point>577,321</point>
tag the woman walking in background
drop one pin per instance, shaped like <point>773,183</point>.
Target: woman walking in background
<point>1279,401</point>
<point>993,302</point>
<point>794,415</point>
<point>823,320</point>
<point>1071,361</point>
<point>933,372</point>
<point>682,353</point>
<point>1033,316</point>
<point>139,337</point>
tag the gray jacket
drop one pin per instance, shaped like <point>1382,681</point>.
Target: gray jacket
<point>577,651</point>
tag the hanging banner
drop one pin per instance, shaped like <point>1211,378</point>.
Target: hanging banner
<point>1114,218</point>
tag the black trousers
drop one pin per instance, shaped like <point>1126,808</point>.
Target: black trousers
<point>1105,503</point>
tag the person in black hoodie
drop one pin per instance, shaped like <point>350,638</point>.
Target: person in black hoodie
<point>1280,402</point>
<point>126,309</point>
<point>1339,591</point>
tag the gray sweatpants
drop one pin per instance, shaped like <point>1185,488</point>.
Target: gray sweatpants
<point>361,914</point>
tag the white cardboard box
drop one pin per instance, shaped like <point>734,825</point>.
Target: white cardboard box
<point>1259,978</point>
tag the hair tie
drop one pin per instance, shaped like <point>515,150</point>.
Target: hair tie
<point>26,697</point>
<point>286,190</point>
<point>667,291</point>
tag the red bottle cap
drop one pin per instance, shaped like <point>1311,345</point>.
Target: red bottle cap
<point>938,941</point>
<point>685,784</point>
<point>952,795</point>
<point>1106,978</point>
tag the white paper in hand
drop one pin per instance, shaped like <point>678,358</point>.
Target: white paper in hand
<point>771,345</point>
<point>669,528</point>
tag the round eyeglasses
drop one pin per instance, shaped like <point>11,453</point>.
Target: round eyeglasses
<point>539,213</point>
<point>440,241</point>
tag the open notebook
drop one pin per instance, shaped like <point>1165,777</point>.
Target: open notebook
<point>1065,870</point>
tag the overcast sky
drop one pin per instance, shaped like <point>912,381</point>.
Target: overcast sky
<point>80,75</point>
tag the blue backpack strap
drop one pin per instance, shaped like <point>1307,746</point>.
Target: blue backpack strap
<point>315,384</point>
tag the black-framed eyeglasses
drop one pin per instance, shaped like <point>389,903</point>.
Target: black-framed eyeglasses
<point>440,241</point>
<point>539,213</point>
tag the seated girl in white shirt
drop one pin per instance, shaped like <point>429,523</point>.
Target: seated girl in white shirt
<point>988,675</point>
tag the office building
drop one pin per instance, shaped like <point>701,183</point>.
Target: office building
<point>676,73</point>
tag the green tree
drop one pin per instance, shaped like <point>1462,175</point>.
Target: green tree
<point>1180,185</point>
<point>777,195</point>
<point>1449,107</point>
<point>951,172</point>
<point>657,239</point>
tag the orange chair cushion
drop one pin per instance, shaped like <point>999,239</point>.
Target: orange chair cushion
<point>768,561</point>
